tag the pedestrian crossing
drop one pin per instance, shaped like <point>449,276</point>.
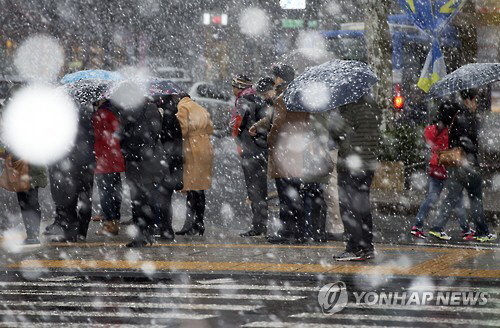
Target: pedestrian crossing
<point>228,302</point>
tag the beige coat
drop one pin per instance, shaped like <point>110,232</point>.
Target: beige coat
<point>294,148</point>
<point>196,128</point>
<point>285,156</point>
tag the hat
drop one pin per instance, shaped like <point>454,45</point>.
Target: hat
<point>264,84</point>
<point>241,81</point>
<point>284,71</point>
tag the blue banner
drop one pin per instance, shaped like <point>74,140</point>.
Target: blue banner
<point>432,16</point>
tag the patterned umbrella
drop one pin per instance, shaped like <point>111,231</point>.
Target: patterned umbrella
<point>469,76</point>
<point>87,91</point>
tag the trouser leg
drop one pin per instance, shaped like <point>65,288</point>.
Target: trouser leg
<point>355,207</point>
<point>255,172</point>
<point>435,188</point>
<point>86,177</point>
<point>110,193</point>
<point>30,211</point>
<point>455,187</point>
<point>314,210</point>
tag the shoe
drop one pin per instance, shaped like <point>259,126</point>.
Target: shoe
<point>109,228</point>
<point>418,232</point>
<point>253,233</point>
<point>53,229</point>
<point>138,243</point>
<point>196,229</point>
<point>469,235</point>
<point>97,218</point>
<point>166,236</point>
<point>63,239</point>
<point>349,256</point>
<point>31,241</point>
<point>439,235</point>
<point>488,237</point>
<point>368,254</point>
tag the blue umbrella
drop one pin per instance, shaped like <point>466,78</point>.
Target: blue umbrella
<point>92,74</point>
<point>329,85</point>
<point>469,76</point>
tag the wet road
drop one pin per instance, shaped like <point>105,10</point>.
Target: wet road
<point>253,301</point>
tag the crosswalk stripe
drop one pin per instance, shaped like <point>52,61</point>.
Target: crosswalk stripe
<point>154,295</point>
<point>136,305</point>
<point>439,308</point>
<point>272,324</point>
<point>430,308</point>
<point>454,288</point>
<point>160,286</point>
<point>159,315</point>
<point>384,317</point>
<point>11,324</point>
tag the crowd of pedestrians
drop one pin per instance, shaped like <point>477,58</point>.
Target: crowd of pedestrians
<point>322,165</point>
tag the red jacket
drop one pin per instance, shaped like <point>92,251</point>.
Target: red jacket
<point>438,140</point>
<point>109,158</point>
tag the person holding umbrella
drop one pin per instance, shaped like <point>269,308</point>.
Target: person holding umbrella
<point>355,127</point>
<point>436,136</point>
<point>342,88</point>
<point>463,133</point>
<point>295,149</point>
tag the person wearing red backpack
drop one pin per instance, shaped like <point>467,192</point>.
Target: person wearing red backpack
<point>436,136</point>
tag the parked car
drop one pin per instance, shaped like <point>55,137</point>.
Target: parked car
<point>217,101</point>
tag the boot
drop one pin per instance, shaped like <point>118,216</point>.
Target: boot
<point>197,229</point>
<point>109,228</point>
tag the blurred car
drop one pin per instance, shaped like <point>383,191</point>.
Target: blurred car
<point>177,75</point>
<point>217,101</point>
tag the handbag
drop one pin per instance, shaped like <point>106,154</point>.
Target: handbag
<point>452,157</point>
<point>15,175</point>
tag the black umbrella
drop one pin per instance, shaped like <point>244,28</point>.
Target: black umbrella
<point>329,85</point>
<point>469,76</point>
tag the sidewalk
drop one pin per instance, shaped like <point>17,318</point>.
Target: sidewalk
<point>223,254</point>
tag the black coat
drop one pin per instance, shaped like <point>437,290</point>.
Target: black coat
<point>464,133</point>
<point>140,143</point>
<point>171,139</point>
<point>252,109</point>
<point>83,151</point>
